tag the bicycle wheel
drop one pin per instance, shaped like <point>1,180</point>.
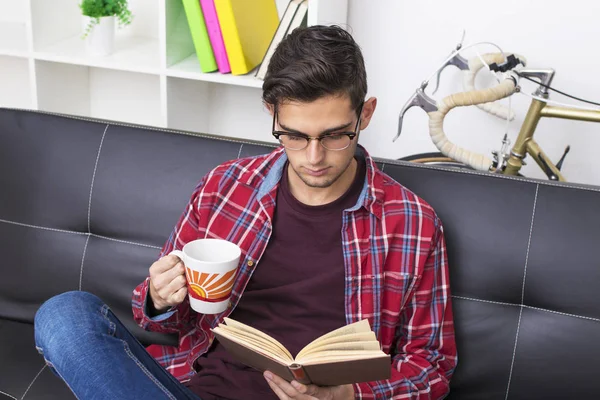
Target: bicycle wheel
<point>435,158</point>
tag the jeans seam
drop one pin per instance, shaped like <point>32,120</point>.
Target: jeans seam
<point>145,371</point>
<point>112,327</point>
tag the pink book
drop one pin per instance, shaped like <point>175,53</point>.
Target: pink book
<point>214,33</point>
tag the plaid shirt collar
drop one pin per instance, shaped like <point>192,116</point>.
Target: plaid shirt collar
<point>371,196</point>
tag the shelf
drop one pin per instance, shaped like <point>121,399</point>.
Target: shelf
<point>189,68</point>
<point>13,38</point>
<point>99,93</point>
<point>132,53</point>
<point>226,110</point>
<point>15,83</point>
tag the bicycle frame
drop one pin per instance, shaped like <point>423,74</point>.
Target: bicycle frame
<point>525,144</point>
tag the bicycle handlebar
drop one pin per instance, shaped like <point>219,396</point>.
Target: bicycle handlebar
<point>474,97</point>
<point>475,64</point>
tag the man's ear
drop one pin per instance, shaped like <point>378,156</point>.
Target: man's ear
<point>270,108</point>
<point>367,112</point>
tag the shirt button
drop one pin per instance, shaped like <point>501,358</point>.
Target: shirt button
<point>250,263</point>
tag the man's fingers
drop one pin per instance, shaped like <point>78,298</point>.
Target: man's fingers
<point>309,390</point>
<point>289,390</point>
<point>277,390</point>
<point>167,291</point>
<point>163,279</point>
<point>164,264</point>
<point>179,296</point>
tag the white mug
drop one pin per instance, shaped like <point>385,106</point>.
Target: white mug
<point>210,269</point>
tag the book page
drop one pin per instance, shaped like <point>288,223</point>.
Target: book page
<point>256,340</point>
<point>357,327</point>
<point>337,356</point>
<point>344,346</point>
<point>353,337</point>
<point>255,332</point>
<point>251,345</point>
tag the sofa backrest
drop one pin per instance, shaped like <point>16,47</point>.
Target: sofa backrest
<point>87,205</point>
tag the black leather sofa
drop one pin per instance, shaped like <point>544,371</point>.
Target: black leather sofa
<point>86,204</point>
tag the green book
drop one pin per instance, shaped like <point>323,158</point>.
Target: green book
<point>200,37</point>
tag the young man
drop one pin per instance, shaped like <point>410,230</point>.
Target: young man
<point>327,239</point>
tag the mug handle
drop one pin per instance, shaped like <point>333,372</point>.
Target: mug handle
<point>179,254</point>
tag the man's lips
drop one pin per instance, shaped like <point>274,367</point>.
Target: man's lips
<point>316,172</point>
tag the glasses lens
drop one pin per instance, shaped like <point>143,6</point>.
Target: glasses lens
<point>336,142</point>
<point>293,142</point>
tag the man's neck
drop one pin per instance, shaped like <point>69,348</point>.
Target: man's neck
<point>312,196</point>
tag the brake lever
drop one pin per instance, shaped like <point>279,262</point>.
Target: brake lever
<point>418,99</point>
<point>458,61</point>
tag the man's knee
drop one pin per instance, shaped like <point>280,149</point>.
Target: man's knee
<point>57,318</point>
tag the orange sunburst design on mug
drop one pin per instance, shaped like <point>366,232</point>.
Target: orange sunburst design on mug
<point>210,287</point>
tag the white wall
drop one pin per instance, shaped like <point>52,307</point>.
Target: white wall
<point>405,40</point>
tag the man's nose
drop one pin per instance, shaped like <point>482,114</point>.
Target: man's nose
<point>315,152</point>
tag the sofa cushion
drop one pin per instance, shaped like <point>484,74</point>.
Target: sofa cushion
<point>23,372</point>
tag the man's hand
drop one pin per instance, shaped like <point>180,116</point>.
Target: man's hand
<point>294,390</point>
<point>167,282</point>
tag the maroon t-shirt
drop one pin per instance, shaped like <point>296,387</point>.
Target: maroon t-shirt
<point>296,293</point>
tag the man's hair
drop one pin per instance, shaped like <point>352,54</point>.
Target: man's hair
<point>314,62</point>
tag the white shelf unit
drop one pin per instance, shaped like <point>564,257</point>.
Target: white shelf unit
<point>152,78</point>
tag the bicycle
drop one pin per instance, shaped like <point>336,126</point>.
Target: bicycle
<point>508,161</point>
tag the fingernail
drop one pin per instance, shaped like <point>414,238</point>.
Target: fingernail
<point>268,376</point>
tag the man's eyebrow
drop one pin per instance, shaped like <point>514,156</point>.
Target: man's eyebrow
<point>325,132</point>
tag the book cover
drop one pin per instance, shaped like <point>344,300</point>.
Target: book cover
<point>204,51</point>
<point>247,28</point>
<point>350,354</point>
<point>282,30</point>
<point>214,33</point>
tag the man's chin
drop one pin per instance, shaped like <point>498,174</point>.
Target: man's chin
<point>316,182</point>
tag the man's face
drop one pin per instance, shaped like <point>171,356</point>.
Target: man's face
<point>316,166</point>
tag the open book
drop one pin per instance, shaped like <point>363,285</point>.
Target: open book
<point>350,354</point>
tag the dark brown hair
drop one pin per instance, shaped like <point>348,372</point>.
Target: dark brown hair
<point>314,62</point>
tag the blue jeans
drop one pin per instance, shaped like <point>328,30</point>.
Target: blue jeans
<point>98,358</point>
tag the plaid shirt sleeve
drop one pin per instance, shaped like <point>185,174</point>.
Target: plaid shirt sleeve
<point>177,319</point>
<point>425,352</point>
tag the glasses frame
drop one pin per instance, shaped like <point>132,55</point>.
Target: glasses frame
<point>351,135</point>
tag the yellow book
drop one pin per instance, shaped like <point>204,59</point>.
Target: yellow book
<point>247,28</point>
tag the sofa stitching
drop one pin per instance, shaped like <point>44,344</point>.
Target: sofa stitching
<point>240,152</point>
<point>42,227</point>
<point>512,363</point>
<point>486,174</point>
<point>526,306</point>
<point>94,177</point>
<point>77,233</point>
<point>274,145</point>
<point>33,381</point>
<point>126,241</point>
<point>9,395</point>
<point>146,127</point>
<point>82,260</point>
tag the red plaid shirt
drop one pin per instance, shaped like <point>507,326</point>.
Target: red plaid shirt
<point>395,262</point>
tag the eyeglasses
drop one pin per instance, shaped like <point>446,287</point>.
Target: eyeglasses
<point>331,141</point>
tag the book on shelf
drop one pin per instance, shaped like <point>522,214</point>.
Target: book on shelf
<point>350,354</point>
<point>197,26</point>
<point>294,16</point>
<point>214,33</point>
<point>247,28</point>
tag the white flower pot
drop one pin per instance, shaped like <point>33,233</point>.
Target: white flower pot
<point>100,41</point>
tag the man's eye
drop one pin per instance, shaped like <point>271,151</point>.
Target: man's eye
<point>335,137</point>
<point>295,138</point>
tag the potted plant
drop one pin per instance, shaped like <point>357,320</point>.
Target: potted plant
<point>99,23</point>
